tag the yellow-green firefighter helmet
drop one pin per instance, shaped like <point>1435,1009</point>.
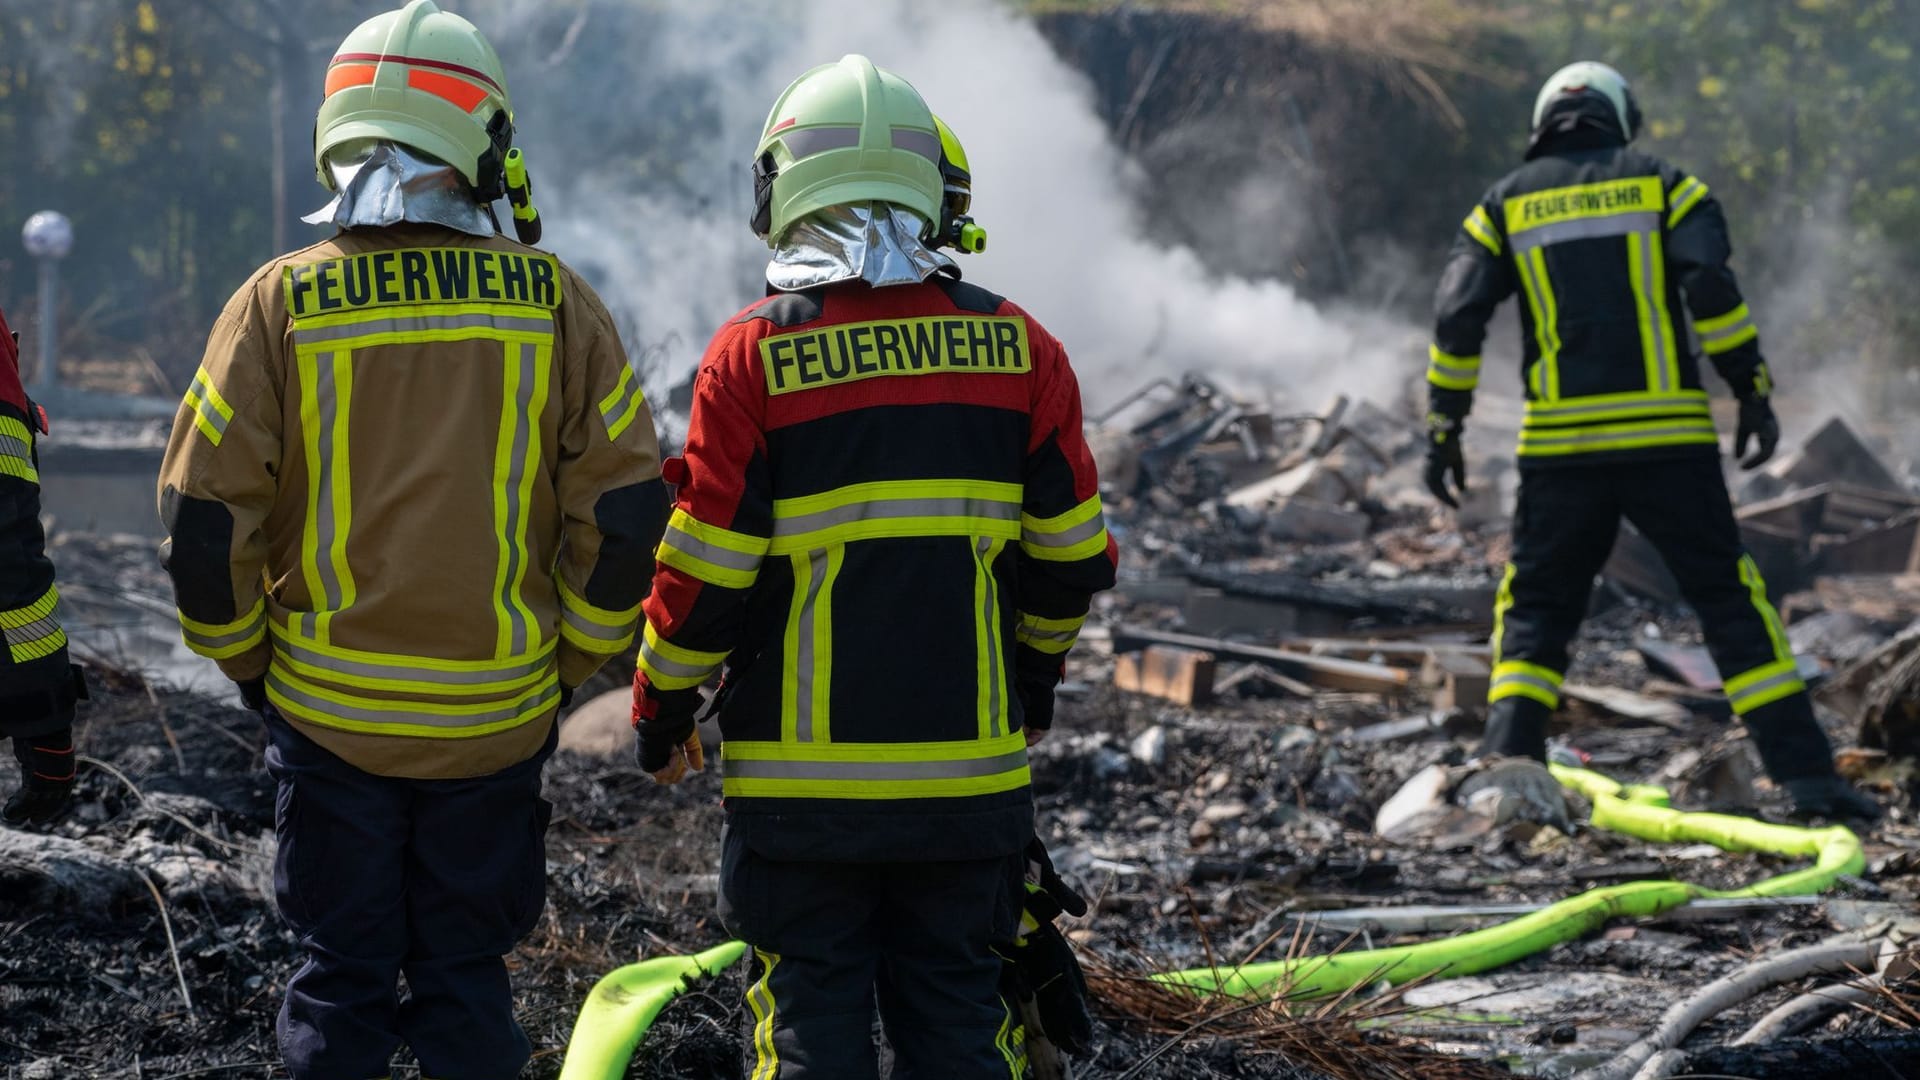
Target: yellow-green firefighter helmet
<point>423,78</point>
<point>955,228</point>
<point>845,133</point>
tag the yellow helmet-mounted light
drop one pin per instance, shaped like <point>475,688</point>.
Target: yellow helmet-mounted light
<point>955,228</point>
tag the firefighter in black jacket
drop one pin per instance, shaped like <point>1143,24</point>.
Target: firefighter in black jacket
<point>37,686</point>
<point>1605,245</point>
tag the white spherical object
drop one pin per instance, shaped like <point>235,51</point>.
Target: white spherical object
<point>48,235</point>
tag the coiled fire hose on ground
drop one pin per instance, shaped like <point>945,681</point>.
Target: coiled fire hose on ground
<point>624,1004</point>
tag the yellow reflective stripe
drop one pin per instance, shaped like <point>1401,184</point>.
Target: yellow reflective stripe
<point>1646,273</point>
<point>818,675</point>
<point>591,629</point>
<point>1601,408</point>
<point>1682,431</point>
<point>1518,678</point>
<point>874,770</point>
<point>224,641</point>
<point>1764,685</point>
<point>675,667</point>
<point>1010,1040</point>
<point>425,323</point>
<point>714,555</point>
<point>1540,303</point>
<point>1663,315</point>
<point>1685,198</point>
<point>1452,372</point>
<point>990,673</point>
<point>211,413</point>
<point>16,451</point>
<point>326,391</point>
<point>341,477</point>
<point>895,508</point>
<point>398,665</point>
<point>619,408</point>
<point>1724,333</point>
<point>303,700</point>
<point>34,631</point>
<point>1479,225</point>
<point>1502,603</point>
<point>766,1059</point>
<point>1079,533</point>
<point>1052,636</point>
<point>1757,593</point>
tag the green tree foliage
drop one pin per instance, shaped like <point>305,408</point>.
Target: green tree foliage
<point>1801,115</point>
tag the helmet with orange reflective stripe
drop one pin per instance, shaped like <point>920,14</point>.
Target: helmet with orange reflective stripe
<point>426,79</point>
<point>845,133</point>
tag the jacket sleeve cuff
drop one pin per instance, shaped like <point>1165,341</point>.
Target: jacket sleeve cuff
<point>248,665</point>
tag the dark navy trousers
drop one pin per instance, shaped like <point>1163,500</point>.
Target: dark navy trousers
<point>380,877</point>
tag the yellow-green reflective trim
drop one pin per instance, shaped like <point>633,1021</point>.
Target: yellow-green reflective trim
<point>1589,404</point>
<point>1552,442</point>
<point>722,576</point>
<point>1685,198</point>
<point>766,1056</point>
<point>1479,225</point>
<point>593,629</point>
<point>224,641</point>
<point>34,631</point>
<point>369,716</point>
<point>1546,333</point>
<point>424,323</point>
<point>1518,678</point>
<point>33,612</point>
<point>1757,593</point>
<point>1452,372</point>
<point>1502,603</point>
<point>1052,636</point>
<point>16,451</point>
<point>717,556</point>
<point>619,408</point>
<point>674,667</point>
<point>405,665</point>
<point>875,770</point>
<point>888,490</point>
<point>211,413</point>
<point>1079,533</point>
<point>895,508</point>
<point>1722,322</point>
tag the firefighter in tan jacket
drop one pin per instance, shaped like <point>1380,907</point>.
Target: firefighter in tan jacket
<point>412,498</point>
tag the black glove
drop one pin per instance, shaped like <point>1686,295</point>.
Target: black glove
<point>1444,456</point>
<point>1756,422</point>
<point>655,740</point>
<point>1042,966</point>
<point>253,694</point>
<point>1036,702</point>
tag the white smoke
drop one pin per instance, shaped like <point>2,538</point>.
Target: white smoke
<point>640,120</point>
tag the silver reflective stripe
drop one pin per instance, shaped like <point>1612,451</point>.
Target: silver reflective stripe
<point>1726,332</point>
<point>806,142</point>
<point>413,324</point>
<point>326,519</point>
<point>1528,680</point>
<point>1080,533</point>
<point>672,667</point>
<point>33,631</point>
<point>402,672</point>
<point>518,355</point>
<point>401,715</point>
<point>924,143</point>
<point>1656,303</point>
<point>883,509</point>
<point>594,630</point>
<point>1028,633</point>
<point>990,624</point>
<point>1586,229</point>
<point>17,448</point>
<point>758,769</point>
<point>206,410</point>
<point>1536,438</point>
<point>1761,687</point>
<point>1545,331</point>
<point>685,542</point>
<point>1542,411</point>
<point>804,673</point>
<point>630,388</point>
<point>218,641</point>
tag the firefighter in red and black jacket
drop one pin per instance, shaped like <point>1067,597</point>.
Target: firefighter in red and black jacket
<point>38,687</point>
<point>889,530</point>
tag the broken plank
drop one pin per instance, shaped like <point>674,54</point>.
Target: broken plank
<point>1412,653</point>
<point>1323,671</point>
<point>1180,675</point>
<point>1626,703</point>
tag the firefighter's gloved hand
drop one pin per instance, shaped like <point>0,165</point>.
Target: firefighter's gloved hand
<point>253,694</point>
<point>1515,789</point>
<point>1756,422</point>
<point>1445,457</point>
<point>1045,970</point>
<point>1036,704</point>
<point>669,749</point>
<point>1832,798</point>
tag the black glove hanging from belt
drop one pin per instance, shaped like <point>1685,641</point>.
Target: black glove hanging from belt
<point>1446,457</point>
<point>1043,975</point>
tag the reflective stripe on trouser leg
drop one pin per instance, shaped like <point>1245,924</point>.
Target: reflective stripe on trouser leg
<point>766,1057</point>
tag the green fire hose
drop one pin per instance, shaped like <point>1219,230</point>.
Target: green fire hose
<point>624,1004</point>
<point>1638,811</point>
